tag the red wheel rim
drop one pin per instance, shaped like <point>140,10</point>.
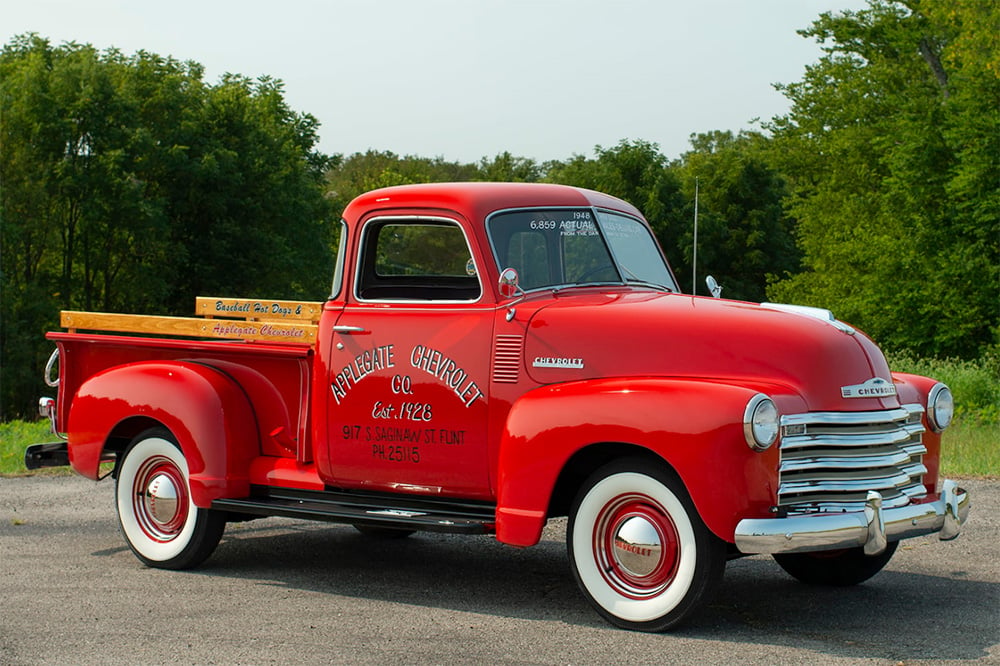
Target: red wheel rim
<point>636,546</point>
<point>160,500</point>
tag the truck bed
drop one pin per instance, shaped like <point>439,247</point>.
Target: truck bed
<point>268,352</point>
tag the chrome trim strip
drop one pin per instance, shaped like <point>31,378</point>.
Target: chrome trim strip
<point>48,369</point>
<point>844,461</point>
<point>441,220</point>
<point>832,531</point>
<point>896,436</point>
<point>850,418</point>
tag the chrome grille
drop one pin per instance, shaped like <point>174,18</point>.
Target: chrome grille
<point>830,460</point>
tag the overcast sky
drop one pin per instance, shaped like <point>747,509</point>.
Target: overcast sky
<point>464,79</point>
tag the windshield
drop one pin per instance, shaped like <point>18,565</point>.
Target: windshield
<point>576,246</point>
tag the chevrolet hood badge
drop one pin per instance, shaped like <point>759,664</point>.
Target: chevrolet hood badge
<point>876,387</point>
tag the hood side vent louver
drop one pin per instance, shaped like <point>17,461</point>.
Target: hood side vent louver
<point>508,358</point>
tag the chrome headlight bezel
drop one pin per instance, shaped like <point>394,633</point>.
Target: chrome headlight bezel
<point>761,423</point>
<point>940,407</point>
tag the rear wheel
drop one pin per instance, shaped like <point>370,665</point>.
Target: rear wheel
<point>839,568</point>
<point>638,548</point>
<point>159,520</point>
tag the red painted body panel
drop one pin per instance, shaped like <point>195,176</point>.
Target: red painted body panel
<point>284,473</point>
<point>240,394</point>
<point>409,412</point>
<point>207,412</point>
<point>694,426</point>
<point>622,334</point>
<point>914,389</point>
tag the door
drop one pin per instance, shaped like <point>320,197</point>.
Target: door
<point>409,371</point>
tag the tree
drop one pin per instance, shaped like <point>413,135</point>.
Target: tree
<point>246,196</point>
<point>361,172</point>
<point>507,168</point>
<point>891,151</point>
<point>128,184</point>
<point>744,236</point>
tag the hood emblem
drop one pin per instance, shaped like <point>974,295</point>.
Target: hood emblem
<point>550,362</point>
<point>876,387</point>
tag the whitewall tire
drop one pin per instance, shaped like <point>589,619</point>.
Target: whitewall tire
<point>638,549</point>
<point>157,517</point>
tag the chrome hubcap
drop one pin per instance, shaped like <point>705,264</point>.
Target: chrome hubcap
<point>161,499</point>
<point>637,546</point>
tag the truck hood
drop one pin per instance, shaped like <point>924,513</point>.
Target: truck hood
<point>806,360</point>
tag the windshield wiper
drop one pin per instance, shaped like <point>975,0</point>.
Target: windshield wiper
<point>632,278</point>
<point>646,283</point>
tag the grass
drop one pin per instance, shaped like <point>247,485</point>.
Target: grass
<point>15,437</point>
<point>970,448</point>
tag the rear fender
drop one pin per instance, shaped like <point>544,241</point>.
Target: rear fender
<point>206,411</point>
<point>696,428</point>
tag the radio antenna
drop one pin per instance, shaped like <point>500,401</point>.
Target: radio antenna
<point>694,258</point>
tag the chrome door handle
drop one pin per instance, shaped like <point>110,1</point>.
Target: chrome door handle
<point>350,330</point>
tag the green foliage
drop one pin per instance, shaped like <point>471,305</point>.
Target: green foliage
<point>969,448</point>
<point>361,172</point>
<point>505,168</point>
<point>891,152</point>
<point>15,437</point>
<point>130,185</point>
<point>744,235</point>
<point>974,383</point>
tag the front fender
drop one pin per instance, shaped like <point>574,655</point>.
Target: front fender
<point>207,412</point>
<point>696,427</point>
<point>914,389</point>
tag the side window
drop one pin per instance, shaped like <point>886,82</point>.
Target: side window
<point>417,260</point>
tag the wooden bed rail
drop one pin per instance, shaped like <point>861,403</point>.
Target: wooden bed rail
<point>225,318</point>
<point>251,310</point>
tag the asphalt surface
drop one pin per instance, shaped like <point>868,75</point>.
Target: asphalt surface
<point>279,591</point>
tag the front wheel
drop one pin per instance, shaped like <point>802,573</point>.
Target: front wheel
<point>639,550</point>
<point>839,568</point>
<point>159,520</point>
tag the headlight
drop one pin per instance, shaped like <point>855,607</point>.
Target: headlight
<point>940,407</point>
<point>760,423</point>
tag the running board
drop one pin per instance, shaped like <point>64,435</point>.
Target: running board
<point>365,508</point>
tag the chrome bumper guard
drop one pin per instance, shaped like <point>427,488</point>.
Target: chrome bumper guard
<point>871,529</point>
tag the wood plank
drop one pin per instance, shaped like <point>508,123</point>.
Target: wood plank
<point>253,309</point>
<point>263,331</point>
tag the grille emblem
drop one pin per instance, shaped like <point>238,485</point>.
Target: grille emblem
<point>876,387</point>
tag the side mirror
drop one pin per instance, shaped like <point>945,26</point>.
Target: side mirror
<point>510,287</point>
<point>714,287</point>
<point>510,283</point>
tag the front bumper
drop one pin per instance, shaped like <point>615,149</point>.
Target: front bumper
<point>870,529</point>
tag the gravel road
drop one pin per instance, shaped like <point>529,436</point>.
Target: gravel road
<point>280,591</point>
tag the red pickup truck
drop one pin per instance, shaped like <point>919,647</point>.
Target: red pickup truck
<point>495,355</point>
